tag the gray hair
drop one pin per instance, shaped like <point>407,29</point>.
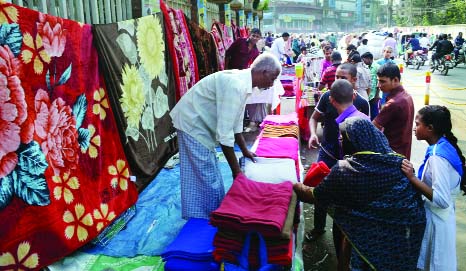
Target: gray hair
<point>266,62</point>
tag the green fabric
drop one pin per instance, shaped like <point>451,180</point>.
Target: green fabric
<point>146,263</point>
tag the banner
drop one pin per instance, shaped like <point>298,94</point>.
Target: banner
<point>202,13</point>
<point>241,17</point>
<point>249,20</point>
<point>227,15</point>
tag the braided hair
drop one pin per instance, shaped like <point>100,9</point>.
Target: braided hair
<point>440,119</point>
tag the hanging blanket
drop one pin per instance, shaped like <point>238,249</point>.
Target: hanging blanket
<point>205,49</point>
<point>140,83</point>
<point>221,50</point>
<point>181,49</point>
<point>227,35</point>
<point>63,173</point>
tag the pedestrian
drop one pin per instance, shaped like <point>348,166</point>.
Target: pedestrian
<point>327,61</point>
<point>330,150</point>
<point>350,51</point>
<point>243,51</point>
<point>374,96</point>
<point>328,76</point>
<point>397,115</point>
<point>363,48</point>
<point>210,114</point>
<point>269,40</point>
<point>363,84</point>
<point>387,56</point>
<point>278,46</point>
<point>390,41</point>
<point>240,55</point>
<point>376,206</point>
<point>439,180</point>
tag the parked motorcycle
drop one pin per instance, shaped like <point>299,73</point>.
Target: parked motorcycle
<point>462,55</point>
<point>443,64</point>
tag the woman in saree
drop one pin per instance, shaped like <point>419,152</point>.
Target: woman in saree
<point>375,205</point>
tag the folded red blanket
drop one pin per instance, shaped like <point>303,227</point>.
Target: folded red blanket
<point>254,206</point>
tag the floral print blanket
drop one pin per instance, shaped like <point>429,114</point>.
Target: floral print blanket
<point>139,79</point>
<point>181,49</point>
<point>63,172</point>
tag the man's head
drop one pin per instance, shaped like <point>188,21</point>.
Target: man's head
<point>364,41</point>
<point>264,70</point>
<point>388,76</point>
<point>328,52</point>
<point>335,57</point>
<point>285,36</point>
<point>303,50</point>
<point>367,58</point>
<point>347,71</point>
<point>255,35</point>
<point>460,34</point>
<point>390,35</point>
<point>387,52</point>
<point>341,92</point>
<point>355,58</point>
<point>413,36</point>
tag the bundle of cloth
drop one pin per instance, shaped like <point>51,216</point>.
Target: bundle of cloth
<point>192,249</point>
<point>250,206</point>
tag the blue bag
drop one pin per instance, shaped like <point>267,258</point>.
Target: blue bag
<point>243,258</point>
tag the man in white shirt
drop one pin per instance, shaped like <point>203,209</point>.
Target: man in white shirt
<point>390,41</point>
<point>210,114</point>
<point>363,48</point>
<point>424,41</point>
<point>278,46</point>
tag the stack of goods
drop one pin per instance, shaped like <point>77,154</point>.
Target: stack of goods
<point>279,138</point>
<point>250,206</point>
<point>192,249</point>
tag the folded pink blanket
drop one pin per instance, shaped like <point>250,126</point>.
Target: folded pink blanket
<point>278,147</point>
<point>254,206</point>
<point>290,119</point>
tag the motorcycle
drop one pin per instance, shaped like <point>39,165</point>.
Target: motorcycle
<point>417,58</point>
<point>462,55</point>
<point>443,64</point>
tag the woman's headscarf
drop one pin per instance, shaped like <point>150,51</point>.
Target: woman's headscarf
<point>376,205</point>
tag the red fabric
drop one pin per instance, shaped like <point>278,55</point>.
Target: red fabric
<point>316,174</point>
<point>284,259</point>
<point>181,49</point>
<point>71,176</point>
<point>237,245</point>
<point>216,34</point>
<point>254,206</point>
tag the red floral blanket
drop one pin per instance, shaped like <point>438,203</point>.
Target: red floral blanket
<point>181,49</point>
<point>63,172</point>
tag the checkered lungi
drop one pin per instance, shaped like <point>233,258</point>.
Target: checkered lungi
<point>202,188</point>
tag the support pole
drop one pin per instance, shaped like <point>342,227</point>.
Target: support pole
<point>427,93</point>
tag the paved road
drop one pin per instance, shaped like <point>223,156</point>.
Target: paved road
<point>449,91</point>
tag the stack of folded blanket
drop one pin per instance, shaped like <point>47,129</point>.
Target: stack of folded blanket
<point>250,206</point>
<point>192,249</point>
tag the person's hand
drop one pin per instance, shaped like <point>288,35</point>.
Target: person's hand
<point>303,192</point>
<point>250,155</point>
<point>407,169</point>
<point>313,142</point>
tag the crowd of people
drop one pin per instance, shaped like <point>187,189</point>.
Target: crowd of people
<point>386,217</point>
